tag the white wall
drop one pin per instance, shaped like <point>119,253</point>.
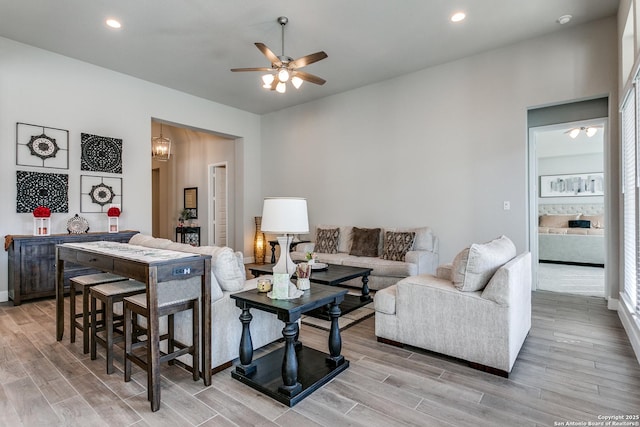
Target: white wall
<point>442,147</point>
<point>44,88</point>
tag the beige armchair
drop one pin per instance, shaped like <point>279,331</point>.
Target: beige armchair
<point>485,323</point>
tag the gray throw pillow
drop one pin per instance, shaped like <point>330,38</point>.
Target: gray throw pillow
<point>397,244</point>
<point>364,242</point>
<point>327,240</point>
<point>475,265</point>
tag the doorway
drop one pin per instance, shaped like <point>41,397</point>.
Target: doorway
<point>567,205</point>
<point>193,152</point>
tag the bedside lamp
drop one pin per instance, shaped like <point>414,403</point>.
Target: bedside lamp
<point>288,216</point>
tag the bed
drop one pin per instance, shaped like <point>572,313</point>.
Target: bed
<point>571,233</point>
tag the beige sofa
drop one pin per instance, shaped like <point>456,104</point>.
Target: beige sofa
<point>484,324</point>
<point>421,258</point>
<point>227,277</point>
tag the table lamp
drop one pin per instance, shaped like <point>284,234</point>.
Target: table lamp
<point>288,216</point>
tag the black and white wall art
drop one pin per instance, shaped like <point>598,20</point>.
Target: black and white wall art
<point>572,185</point>
<point>42,146</point>
<point>101,153</point>
<point>98,193</point>
<point>42,189</point>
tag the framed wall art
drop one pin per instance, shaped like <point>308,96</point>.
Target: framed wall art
<point>42,146</point>
<point>572,185</point>
<point>42,189</point>
<point>191,201</point>
<point>100,153</point>
<point>98,193</point>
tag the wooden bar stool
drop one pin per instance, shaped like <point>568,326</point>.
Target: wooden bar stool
<point>110,294</point>
<point>82,284</point>
<point>168,305</point>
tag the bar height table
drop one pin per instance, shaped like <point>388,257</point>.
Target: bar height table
<point>149,266</point>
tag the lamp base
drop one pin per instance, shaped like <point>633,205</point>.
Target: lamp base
<point>285,264</point>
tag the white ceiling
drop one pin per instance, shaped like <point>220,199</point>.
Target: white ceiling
<point>190,45</point>
<point>554,141</point>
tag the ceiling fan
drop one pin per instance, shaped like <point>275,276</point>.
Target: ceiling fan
<point>588,130</point>
<point>284,68</point>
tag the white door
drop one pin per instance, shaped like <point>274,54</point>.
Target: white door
<point>218,206</point>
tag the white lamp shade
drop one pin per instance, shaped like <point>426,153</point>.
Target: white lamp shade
<point>285,215</point>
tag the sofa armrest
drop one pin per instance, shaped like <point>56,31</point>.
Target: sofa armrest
<point>426,261</point>
<point>511,284</point>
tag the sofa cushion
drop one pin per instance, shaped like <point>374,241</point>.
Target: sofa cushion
<point>364,241</point>
<point>556,221</point>
<point>327,240</point>
<point>397,244</point>
<point>381,267</point>
<point>475,265</point>
<point>597,221</point>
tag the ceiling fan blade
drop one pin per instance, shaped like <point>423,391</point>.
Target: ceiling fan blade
<point>270,55</point>
<point>308,59</point>
<point>275,82</point>
<point>309,77</point>
<point>252,69</point>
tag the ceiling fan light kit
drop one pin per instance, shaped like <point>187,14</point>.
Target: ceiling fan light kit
<point>588,130</point>
<point>284,68</point>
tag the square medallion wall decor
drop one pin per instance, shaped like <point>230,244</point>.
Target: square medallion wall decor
<point>42,146</point>
<point>42,189</point>
<point>98,193</point>
<point>100,153</point>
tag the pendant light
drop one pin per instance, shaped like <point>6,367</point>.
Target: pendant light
<point>160,147</point>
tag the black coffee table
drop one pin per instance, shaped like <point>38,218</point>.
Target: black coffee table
<point>291,373</point>
<point>333,275</point>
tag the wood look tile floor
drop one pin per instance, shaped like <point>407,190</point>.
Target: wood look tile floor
<point>576,365</point>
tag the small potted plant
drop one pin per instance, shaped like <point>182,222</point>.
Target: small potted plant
<point>311,257</point>
<point>185,215</point>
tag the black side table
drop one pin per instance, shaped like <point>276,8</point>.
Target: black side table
<point>290,373</point>
<point>189,235</point>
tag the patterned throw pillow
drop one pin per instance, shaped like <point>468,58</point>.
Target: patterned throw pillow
<point>327,240</point>
<point>364,242</point>
<point>397,244</point>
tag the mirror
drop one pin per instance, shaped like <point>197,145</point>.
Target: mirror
<point>191,201</point>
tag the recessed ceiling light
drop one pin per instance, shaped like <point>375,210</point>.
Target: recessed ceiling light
<point>113,23</point>
<point>564,19</point>
<point>458,16</point>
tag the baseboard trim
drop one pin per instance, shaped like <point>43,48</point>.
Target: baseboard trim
<point>4,296</point>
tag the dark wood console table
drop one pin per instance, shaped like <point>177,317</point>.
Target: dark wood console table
<point>148,268</point>
<point>291,373</point>
<point>32,262</point>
